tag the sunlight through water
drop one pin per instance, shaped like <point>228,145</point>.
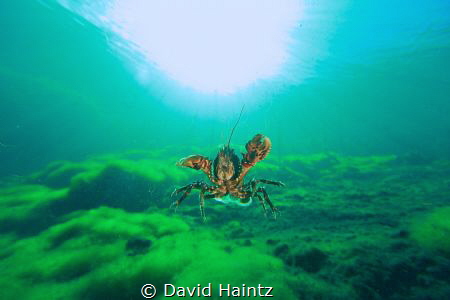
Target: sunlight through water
<point>208,46</point>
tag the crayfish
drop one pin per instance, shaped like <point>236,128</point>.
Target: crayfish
<point>227,173</point>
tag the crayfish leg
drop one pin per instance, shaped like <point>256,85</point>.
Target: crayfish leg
<point>186,189</point>
<point>202,205</point>
<point>267,199</point>
<point>261,201</point>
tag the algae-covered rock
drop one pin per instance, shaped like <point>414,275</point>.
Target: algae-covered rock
<point>137,246</point>
<point>144,164</point>
<point>133,181</point>
<point>99,229</point>
<point>58,174</point>
<point>113,187</point>
<point>433,231</point>
<point>311,260</point>
<point>239,267</point>
<point>27,208</point>
<point>83,258</point>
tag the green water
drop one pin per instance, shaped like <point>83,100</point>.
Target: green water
<point>358,117</point>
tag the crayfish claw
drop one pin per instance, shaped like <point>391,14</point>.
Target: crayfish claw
<point>257,149</point>
<point>197,162</point>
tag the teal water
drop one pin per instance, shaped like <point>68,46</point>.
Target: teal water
<point>358,116</point>
<point>378,85</point>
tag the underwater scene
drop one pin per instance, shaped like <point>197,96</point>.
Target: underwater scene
<point>292,149</point>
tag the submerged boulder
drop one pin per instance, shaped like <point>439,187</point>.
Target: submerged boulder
<point>137,246</point>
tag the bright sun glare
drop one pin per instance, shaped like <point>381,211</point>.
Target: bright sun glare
<point>208,45</point>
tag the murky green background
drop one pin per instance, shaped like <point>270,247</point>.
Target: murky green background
<point>380,85</point>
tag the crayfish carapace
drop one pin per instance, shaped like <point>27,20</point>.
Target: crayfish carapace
<point>227,173</point>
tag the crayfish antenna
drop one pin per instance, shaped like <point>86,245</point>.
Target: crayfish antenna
<point>234,127</point>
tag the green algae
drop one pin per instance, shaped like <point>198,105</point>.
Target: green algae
<point>25,204</point>
<point>336,211</point>
<point>332,164</point>
<point>235,268</point>
<point>23,198</point>
<point>84,257</point>
<point>105,224</point>
<point>432,231</point>
<point>313,287</point>
<point>147,165</point>
<point>112,180</point>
